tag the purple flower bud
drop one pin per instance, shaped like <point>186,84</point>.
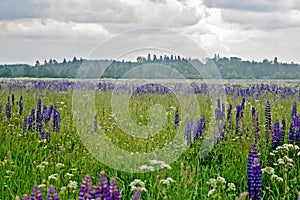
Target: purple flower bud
<point>52,194</point>
<point>86,189</point>
<point>114,190</point>
<point>137,194</point>
<point>36,193</point>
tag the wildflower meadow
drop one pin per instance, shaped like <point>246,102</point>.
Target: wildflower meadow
<point>253,154</point>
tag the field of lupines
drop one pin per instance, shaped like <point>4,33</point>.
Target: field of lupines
<point>255,152</point>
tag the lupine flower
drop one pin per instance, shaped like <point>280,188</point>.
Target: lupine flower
<point>1,111</point>
<point>294,109</point>
<point>52,194</point>
<point>253,113</point>
<point>268,120</point>
<point>36,193</point>
<point>86,188</point>
<point>176,120</point>
<point>275,135</point>
<point>254,175</point>
<point>229,112</point>
<point>45,113</point>
<point>243,103</point>
<point>24,125</point>
<point>282,131</point>
<point>102,189</point>
<point>256,128</point>
<point>13,99</point>
<point>188,133</point>
<point>294,130</point>
<point>137,194</point>
<point>238,117</point>
<point>8,111</point>
<point>95,123</point>
<point>30,123</point>
<point>114,190</point>
<point>21,108</point>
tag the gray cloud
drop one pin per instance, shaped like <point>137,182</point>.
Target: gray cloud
<point>265,21</point>
<point>250,5</point>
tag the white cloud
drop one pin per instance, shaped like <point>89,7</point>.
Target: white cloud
<point>51,29</point>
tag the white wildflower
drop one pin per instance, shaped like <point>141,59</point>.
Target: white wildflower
<point>231,187</point>
<point>53,176</point>
<point>268,170</point>
<point>72,184</point>
<point>211,192</point>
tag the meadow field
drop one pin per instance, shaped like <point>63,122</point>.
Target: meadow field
<point>53,130</point>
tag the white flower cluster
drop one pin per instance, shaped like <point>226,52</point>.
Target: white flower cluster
<point>152,163</point>
<point>137,183</point>
<point>167,181</point>
<point>219,182</point>
<point>271,171</point>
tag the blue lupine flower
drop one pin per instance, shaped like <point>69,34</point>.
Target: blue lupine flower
<point>254,174</point>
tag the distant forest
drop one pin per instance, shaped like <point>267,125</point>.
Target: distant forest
<point>229,68</point>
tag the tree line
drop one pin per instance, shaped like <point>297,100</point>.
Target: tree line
<point>229,68</point>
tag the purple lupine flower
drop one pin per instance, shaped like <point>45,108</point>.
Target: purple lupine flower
<point>137,195</point>
<point>291,134</point>
<point>49,113</point>
<point>13,99</point>
<point>223,112</point>
<point>36,193</point>
<point>198,129</point>
<point>294,130</point>
<point>253,113</point>
<point>268,120</point>
<point>24,125</point>
<point>238,117</point>
<point>56,120</point>
<point>114,190</point>
<point>30,123</point>
<point>21,108</point>
<point>282,131</point>
<point>102,189</point>
<point>176,120</point>
<point>243,103</point>
<point>229,112</point>
<point>188,133</point>
<point>86,189</point>
<point>294,109</point>
<point>254,175</point>
<point>8,111</point>
<point>275,135</point>
<point>1,109</point>
<point>256,128</point>
<point>297,132</point>
<point>52,194</point>
<point>95,123</point>
<point>45,113</point>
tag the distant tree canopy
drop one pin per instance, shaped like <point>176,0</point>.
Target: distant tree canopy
<point>229,68</point>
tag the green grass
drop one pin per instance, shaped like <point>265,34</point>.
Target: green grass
<point>24,161</point>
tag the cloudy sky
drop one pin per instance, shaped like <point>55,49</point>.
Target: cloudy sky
<point>33,30</point>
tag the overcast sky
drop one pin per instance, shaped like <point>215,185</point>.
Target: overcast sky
<point>33,30</point>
